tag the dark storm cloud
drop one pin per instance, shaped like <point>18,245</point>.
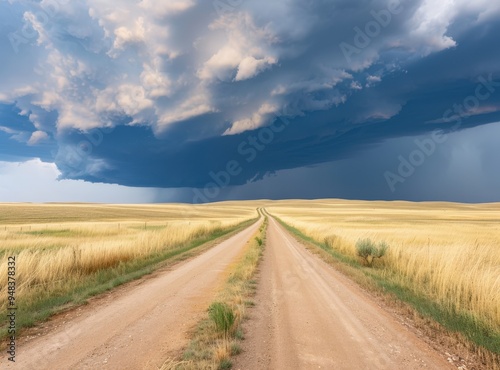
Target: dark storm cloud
<point>262,88</point>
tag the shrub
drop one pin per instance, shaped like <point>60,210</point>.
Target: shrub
<point>223,316</point>
<point>225,364</point>
<point>368,251</point>
<point>259,240</point>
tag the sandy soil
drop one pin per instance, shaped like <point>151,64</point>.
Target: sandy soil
<point>142,325</point>
<point>309,316</point>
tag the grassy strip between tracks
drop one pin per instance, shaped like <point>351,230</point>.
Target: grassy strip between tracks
<point>216,338</point>
<point>38,310</point>
<point>453,330</point>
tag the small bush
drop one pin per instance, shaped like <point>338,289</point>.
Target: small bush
<point>235,349</point>
<point>225,364</point>
<point>259,240</point>
<point>368,251</point>
<point>223,316</point>
<point>238,334</point>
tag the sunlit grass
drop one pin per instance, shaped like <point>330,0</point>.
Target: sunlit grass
<point>448,253</point>
<point>58,260</point>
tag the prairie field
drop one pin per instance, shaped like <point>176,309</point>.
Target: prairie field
<point>443,259</point>
<point>65,251</point>
<point>448,253</point>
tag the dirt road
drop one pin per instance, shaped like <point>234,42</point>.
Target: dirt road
<point>309,316</point>
<point>142,325</point>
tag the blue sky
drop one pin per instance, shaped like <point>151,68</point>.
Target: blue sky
<point>194,101</point>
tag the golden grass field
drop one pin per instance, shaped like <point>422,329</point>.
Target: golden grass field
<point>445,251</point>
<point>58,246</point>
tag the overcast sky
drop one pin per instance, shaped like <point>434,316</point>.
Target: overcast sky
<point>195,101</point>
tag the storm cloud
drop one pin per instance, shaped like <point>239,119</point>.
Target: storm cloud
<point>203,94</point>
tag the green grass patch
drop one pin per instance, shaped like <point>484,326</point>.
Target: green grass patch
<point>466,324</point>
<point>223,317</point>
<point>49,232</point>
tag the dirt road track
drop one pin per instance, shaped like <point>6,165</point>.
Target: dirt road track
<point>309,316</point>
<point>139,328</point>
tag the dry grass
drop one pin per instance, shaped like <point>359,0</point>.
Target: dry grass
<point>447,252</point>
<point>14,215</point>
<point>211,348</point>
<point>57,256</point>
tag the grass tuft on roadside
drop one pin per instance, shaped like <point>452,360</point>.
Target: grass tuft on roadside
<point>223,317</point>
<point>216,338</point>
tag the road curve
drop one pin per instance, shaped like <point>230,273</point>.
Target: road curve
<point>309,316</point>
<point>141,326</point>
